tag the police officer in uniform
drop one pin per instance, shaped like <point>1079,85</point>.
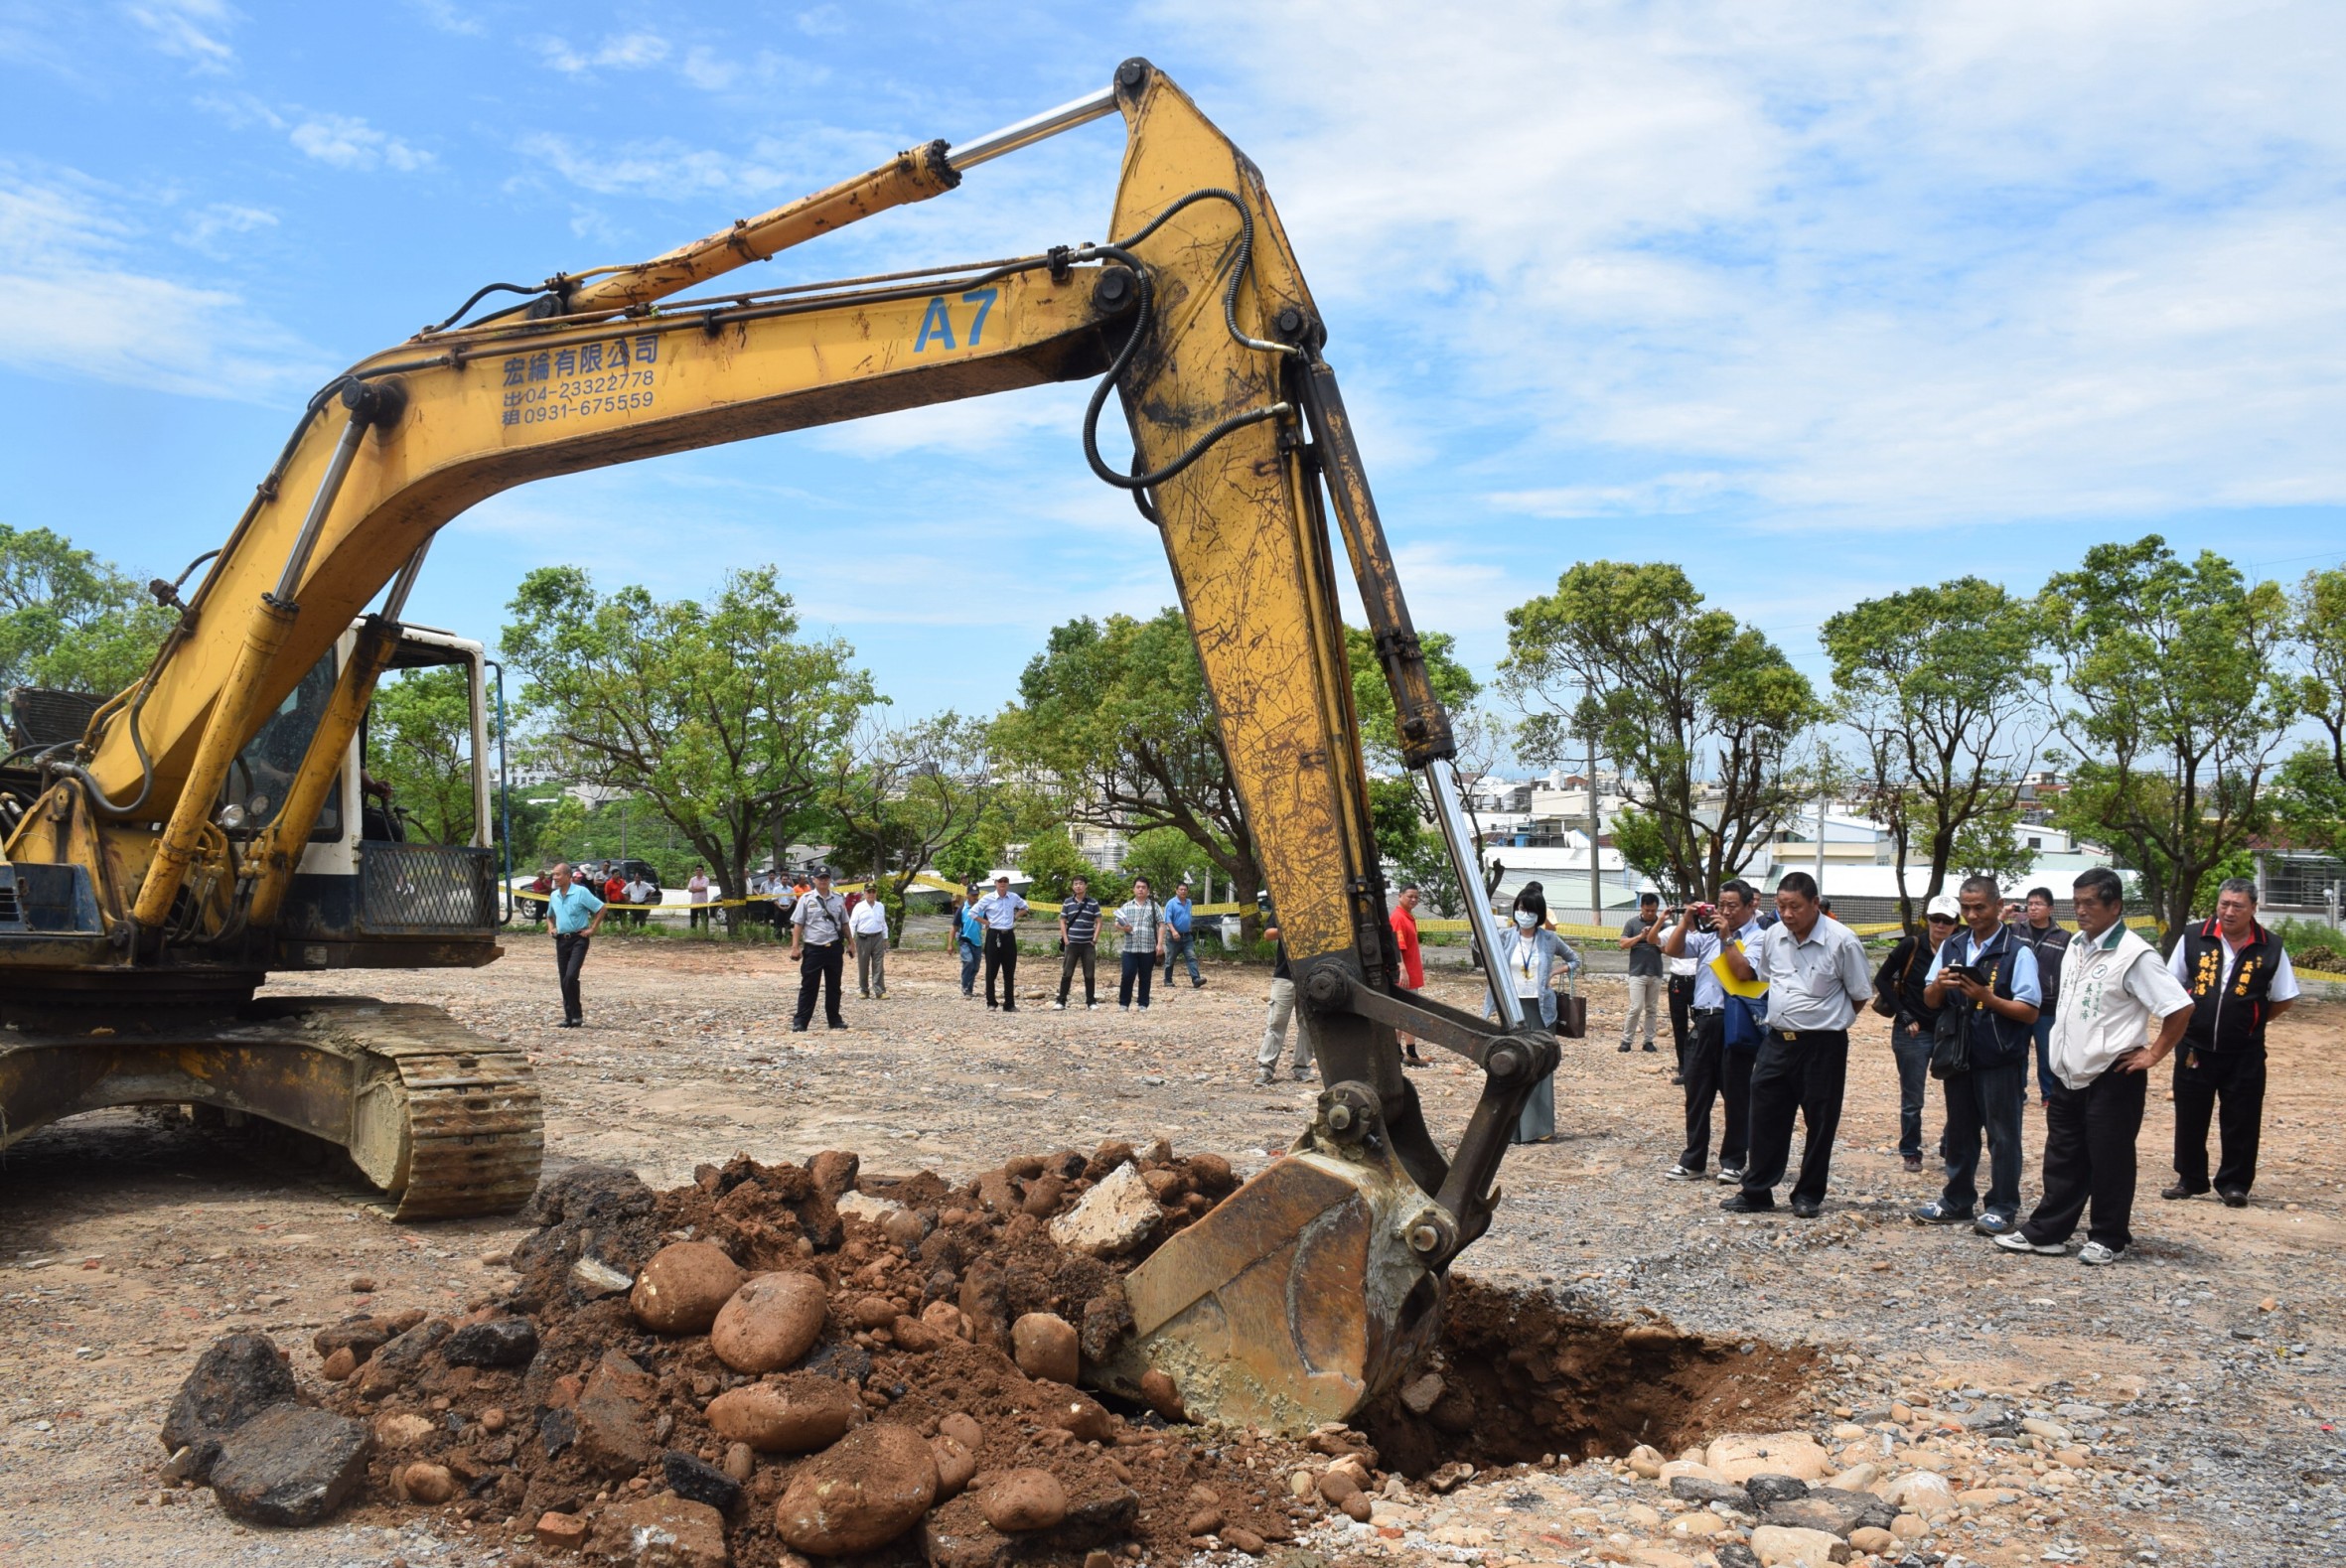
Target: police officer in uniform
<point>2240,980</point>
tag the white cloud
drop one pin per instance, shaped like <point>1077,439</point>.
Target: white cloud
<point>709,71</point>
<point>822,21</point>
<point>81,310</point>
<point>189,30</point>
<point>670,169</point>
<point>619,52</point>
<point>349,142</point>
<point>1951,265</point>
<point>448,18</point>
<point>205,228</point>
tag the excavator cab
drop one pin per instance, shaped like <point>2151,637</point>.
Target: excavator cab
<point>379,877</point>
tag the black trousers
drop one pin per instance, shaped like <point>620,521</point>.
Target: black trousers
<point>2229,1087</point>
<point>1081,953</point>
<point>819,964</point>
<point>1138,968</point>
<point>1801,1071</point>
<point>1714,1072</point>
<point>1681,1005</point>
<point>570,950</point>
<point>1001,957</point>
<point>2090,1138</point>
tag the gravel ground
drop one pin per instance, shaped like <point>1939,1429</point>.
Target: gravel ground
<point>2192,1389</point>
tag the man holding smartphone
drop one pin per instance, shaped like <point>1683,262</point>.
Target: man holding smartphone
<point>1984,982</point>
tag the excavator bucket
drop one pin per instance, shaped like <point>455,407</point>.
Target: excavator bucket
<point>1296,1301</point>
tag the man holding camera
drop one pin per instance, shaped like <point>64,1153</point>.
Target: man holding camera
<point>1984,984</point>
<point>1713,1071</point>
<point>1641,938</point>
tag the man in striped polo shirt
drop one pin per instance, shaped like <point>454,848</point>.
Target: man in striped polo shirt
<point>1079,936</point>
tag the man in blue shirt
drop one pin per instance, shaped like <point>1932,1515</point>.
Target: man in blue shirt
<point>577,915</point>
<point>999,912</point>
<point>969,940</point>
<point>1180,938</point>
<point>1984,982</point>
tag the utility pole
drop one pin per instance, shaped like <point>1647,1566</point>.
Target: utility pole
<point>1820,835</point>
<point>1596,890</point>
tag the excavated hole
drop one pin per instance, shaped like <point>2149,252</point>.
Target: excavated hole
<point>1515,1377</point>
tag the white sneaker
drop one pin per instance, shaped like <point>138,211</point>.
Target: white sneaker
<point>1058,1007</point>
<point>1730,1176</point>
<point>2013,1241</point>
<point>2094,1254</point>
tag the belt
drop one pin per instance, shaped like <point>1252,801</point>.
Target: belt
<point>1796,1034</point>
<point>1705,1012</point>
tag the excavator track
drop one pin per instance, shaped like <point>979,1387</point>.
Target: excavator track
<point>440,1122</point>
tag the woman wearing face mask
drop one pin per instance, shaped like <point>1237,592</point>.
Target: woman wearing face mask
<point>1528,951</point>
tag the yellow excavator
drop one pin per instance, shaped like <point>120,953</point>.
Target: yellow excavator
<point>209,826</point>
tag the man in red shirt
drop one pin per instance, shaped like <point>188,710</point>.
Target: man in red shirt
<point>1404,936</point>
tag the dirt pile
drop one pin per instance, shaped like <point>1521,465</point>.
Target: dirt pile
<point>780,1360</point>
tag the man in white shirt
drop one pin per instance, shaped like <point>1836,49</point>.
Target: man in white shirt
<point>868,922</point>
<point>2113,992</point>
<point>641,893</point>
<point>696,892</point>
<point>819,924</point>
<point>1816,978</point>
<point>999,912</point>
<point>2240,980</point>
<point>1713,1071</point>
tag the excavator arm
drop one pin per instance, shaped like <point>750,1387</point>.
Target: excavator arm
<point>1304,1293</point>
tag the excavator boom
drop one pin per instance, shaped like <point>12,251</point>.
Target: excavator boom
<point>1309,1289</point>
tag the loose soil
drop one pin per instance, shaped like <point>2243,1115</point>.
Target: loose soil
<point>2209,1362</point>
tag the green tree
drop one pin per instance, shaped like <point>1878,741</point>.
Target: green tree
<point>1372,698</point>
<point>70,621</point>
<point>2314,780</point>
<point>1406,837</point>
<point>1946,697</point>
<point>1114,715</point>
<point>2309,798</point>
<point>899,795</point>
<point>2180,705</point>
<point>1164,855</point>
<point>718,717</point>
<point>419,742</point>
<point>1697,710</point>
<point>1052,861</point>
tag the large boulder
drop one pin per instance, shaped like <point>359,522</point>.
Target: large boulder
<point>795,1417</point>
<point>1114,1217</point>
<point>290,1465</point>
<point>497,1342</point>
<point>1045,1345</point>
<point>234,1381</point>
<point>611,1416</point>
<point>684,1286</point>
<point>664,1531</point>
<point>860,1494</point>
<point>1795,1454</point>
<point>768,1322</point>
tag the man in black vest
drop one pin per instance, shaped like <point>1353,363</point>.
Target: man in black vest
<point>2240,980</point>
<point>1984,983</point>
<point>2048,938</point>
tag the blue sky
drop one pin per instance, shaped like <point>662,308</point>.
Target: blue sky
<point>1818,303</point>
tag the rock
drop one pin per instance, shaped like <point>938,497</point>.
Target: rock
<point>1694,1489</point>
<point>1044,1346</point>
<point>1204,1521</point>
<point>1986,1496</point>
<point>964,1429</point>
<point>591,1277</point>
<point>1023,1500</point>
<point>610,1416</point>
<point>1741,1457</point>
<point>290,1465</point>
<point>1764,1489</point>
<point>1910,1526</point>
<point>872,1312</point>
<point>1773,1543</point>
<point>1114,1217</point>
<point>402,1429</point>
<point>797,1416</point>
<point>1338,1485</point>
<point>768,1322</point>
<point>1734,1554</point>
<point>696,1481</point>
<point>1692,1468</point>
<point>1421,1395</point>
<point>426,1483</point>
<point>562,1532</point>
<point>1857,1478</point>
<point>911,1334</point>
<point>1644,1462</point>
<point>232,1382</point>
<point>946,1319</point>
<point>1867,1538</point>
<point>1357,1508</point>
<point>905,1228</point>
<point>986,1303</point>
<point>956,1463</point>
<point>340,1365</point>
<point>682,1288</point>
<point>1700,1524</point>
<point>862,1492</point>
<point>1239,1538</point>
<point>1660,1557</point>
<point>397,1361</point>
<point>1082,1416</point>
<point>499,1341</point>
<point>833,1173</point>
<point>1162,1395</point>
<point>664,1531</point>
<point>493,1420</point>
<point>361,1333</point>
<point>741,1462</point>
<point>1919,1491</point>
<point>878,1211</point>
<point>2051,1431</point>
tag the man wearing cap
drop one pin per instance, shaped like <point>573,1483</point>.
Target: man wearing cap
<point>1901,979</point>
<point>819,941</point>
<point>999,912</point>
<point>2240,980</point>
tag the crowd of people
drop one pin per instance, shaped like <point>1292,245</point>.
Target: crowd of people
<point>1990,999</point>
